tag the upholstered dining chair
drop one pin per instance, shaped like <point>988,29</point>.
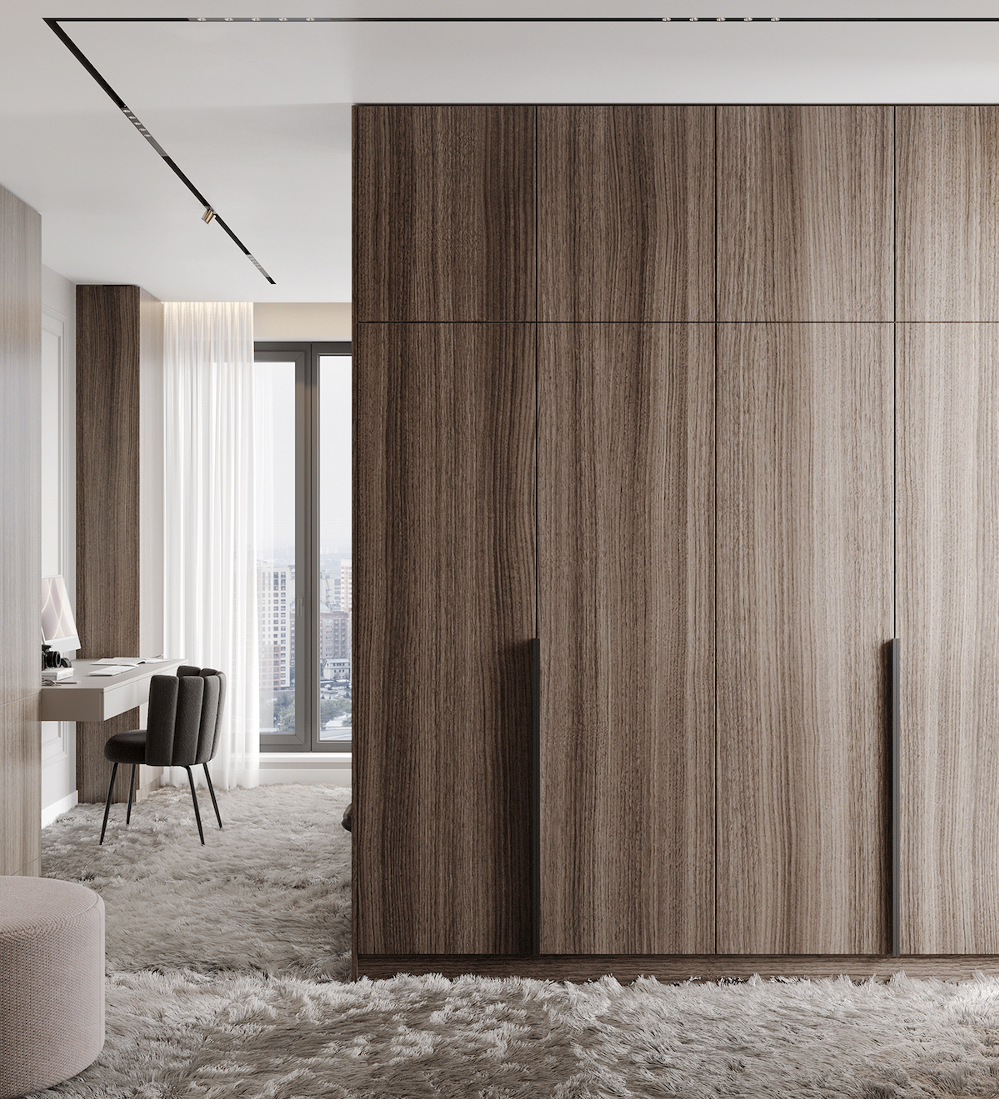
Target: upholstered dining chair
<point>182,730</point>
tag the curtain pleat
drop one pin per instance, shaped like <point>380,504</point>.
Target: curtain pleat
<point>210,609</point>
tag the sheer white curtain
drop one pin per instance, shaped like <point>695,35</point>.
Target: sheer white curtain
<point>210,609</point>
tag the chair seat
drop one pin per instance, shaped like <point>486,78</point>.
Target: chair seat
<point>127,747</point>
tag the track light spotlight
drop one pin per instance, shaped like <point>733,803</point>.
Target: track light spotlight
<point>207,216</point>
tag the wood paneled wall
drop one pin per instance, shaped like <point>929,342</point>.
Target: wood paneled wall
<point>948,509</point>
<point>445,603</point>
<point>115,326</point>
<point>634,242</point>
<point>948,525</point>
<point>448,231</point>
<point>948,213</point>
<point>805,606</point>
<point>805,213</point>
<point>784,256</point>
<point>20,533</point>
<point>626,617</point>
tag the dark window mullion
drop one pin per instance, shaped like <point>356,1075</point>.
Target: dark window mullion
<point>305,609</point>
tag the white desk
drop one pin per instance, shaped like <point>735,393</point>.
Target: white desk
<point>96,698</point>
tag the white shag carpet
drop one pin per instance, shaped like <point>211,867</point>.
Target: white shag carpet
<point>225,979</point>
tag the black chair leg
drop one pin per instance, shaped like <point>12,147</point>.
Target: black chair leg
<point>197,811</point>
<point>211,790</point>
<point>107,807</point>
<point>131,794</point>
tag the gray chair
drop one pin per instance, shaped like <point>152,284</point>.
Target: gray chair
<point>182,730</point>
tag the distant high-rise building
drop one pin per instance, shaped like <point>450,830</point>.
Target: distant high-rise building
<point>275,607</point>
<point>334,634</point>
<point>346,586</point>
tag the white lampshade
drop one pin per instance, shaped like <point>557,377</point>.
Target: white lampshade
<point>58,624</point>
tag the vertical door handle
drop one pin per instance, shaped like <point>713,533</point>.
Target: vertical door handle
<point>896,799</point>
<point>536,799</point>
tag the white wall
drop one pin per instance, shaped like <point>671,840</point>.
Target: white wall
<point>58,446</point>
<point>304,321</point>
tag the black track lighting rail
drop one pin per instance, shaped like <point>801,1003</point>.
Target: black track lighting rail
<point>115,98</point>
<point>74,49</point>
<point>535,19</point>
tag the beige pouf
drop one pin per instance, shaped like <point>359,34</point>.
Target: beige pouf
<point>51,982</point>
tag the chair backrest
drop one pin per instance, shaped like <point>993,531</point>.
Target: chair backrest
<point>210,736</point>
<point>185,714</point>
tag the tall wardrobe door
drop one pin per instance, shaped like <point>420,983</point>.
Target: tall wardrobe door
<point>805,213</point>
<point>626,613</point>
<point>948,566</point>
<point>948,213</point>
<point>444,229</point>
<point>805,573</point>
<point>626,213</point>
<point>444,583</point>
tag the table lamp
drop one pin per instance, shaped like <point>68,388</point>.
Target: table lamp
<point>59,632</point>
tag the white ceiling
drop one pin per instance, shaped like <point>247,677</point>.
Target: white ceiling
<point>258,115</point>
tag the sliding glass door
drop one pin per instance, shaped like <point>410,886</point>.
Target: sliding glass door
<point>304,590</point>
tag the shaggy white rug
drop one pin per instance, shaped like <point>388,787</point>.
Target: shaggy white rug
<point>269,893</point>
<point>221,983</point>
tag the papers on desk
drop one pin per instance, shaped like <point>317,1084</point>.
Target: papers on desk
<point>128,661</point>
<point>112,669</point>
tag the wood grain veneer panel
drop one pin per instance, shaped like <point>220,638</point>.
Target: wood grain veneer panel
<point>444,582</point>
<point>805,518</point>
<point>805,213</point>
<point>626,213</point>
<point>93,771</point>
<point>948,213</point>
<point>677,969</point>
<point>20,408</point>
<point>21,786</point>
<point>948,577</point>
<point>115,327</point>
<point>444,213</point>
<point>107,470</point>
<point>626,590</point>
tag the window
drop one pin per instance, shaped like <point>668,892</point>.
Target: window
<point>302,428</point>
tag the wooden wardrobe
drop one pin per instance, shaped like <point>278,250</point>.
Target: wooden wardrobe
<point>676,401</point>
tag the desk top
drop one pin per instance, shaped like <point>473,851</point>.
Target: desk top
<point>96,698</point>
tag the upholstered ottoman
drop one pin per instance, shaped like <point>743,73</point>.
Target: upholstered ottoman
<point>51,982</point>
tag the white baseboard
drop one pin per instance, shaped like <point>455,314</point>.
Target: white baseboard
<point>57,808</point>
<point>330,767</point>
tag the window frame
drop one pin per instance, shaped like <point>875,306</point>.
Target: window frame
<point>306,356</point>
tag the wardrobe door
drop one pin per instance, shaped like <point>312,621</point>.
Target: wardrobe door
<point>948,213</point>
<point>805,213</point>
<point>626,613</point>
<point>805,521</point>
<point>444,583</point>
<point>948,568</point>
<point>626,213</point>
<point>445,217</point>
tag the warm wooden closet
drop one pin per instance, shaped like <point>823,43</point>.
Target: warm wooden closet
<point>665,388</point>
<point>948,526</point>
<point>805,526</point>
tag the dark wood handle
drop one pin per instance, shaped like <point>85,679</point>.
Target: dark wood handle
<point>896,794</point>
<point>536,800</point>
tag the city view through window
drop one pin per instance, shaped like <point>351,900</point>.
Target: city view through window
<point>303,465</point>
